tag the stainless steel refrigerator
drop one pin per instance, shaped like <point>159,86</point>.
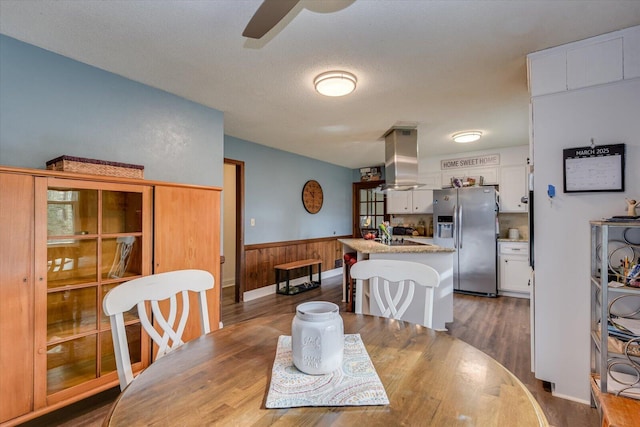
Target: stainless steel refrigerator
<point>466,219</point>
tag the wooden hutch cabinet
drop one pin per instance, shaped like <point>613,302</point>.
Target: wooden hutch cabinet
<point>67,239</point>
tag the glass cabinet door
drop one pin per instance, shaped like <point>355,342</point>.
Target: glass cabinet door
<point>94,242</point>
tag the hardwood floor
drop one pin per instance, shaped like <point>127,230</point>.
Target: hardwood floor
<point>497,326</point>
<point>500,328</point>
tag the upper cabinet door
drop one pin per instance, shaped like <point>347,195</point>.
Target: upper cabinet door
<point>513,186</point>
<point>422,201</point>
<point>399,202</point>
<point>594,64</point>
<point>548,73</point>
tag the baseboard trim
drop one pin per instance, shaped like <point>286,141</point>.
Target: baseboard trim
<point>571,398</point>
<point>271,289</point>
<point>514,294</point>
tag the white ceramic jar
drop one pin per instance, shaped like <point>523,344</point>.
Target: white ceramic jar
<point>514,234</point>
<point>317,337</point>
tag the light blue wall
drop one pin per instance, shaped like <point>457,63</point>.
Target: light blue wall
<point>273,194</point>
<point>51,105</point>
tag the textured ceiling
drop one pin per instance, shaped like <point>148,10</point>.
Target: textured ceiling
<point>445,65</point>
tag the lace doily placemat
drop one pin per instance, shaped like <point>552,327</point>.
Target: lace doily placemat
<point>355,384</point>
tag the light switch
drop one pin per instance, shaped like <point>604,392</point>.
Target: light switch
<point>253,222</point>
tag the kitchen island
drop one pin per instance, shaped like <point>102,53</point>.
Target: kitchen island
<point>417,250</point>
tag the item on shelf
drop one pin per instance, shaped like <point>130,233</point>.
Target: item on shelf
<point>619,251</point>
<point>467,181</point>
<point>622,384</point>
<point>122,256</point>
<point>633,277</point>
<point>624,218</point>
<point>370,174</point>
<point>635,242</point>
<point>95,167</point>
<point>631,206</point>
<point>631,326</point>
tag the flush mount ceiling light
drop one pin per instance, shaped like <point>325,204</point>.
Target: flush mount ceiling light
<point>335,83</point>
<point>463,137</point>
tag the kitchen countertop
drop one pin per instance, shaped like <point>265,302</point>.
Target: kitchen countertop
<point>504,239</point>
<point>373,247</point>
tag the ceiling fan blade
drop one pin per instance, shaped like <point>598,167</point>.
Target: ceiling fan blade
<point>267,16</point>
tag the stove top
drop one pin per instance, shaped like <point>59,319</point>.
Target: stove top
<point>402,242</point>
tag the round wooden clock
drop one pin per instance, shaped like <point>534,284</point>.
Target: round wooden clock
<point>312,196</point>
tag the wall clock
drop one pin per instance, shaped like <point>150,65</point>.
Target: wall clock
<point>312,196</point>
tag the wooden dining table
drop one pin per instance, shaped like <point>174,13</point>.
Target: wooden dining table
<point>431,379</point>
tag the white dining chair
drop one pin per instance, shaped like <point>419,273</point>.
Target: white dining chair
<point>172,286</point>
<point>391,287</point>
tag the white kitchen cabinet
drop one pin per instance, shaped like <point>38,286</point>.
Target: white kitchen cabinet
<point>422,201</point>
<point>604,59</point>
<point>547,73</point>
<point>410,202</point>
<point>513,186</point>
<point>399,202</point>
<point>513,269</point>
<point>631,53</point>
<point>594,64</point>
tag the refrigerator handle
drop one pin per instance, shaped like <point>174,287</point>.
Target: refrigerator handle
<point>460,225</point>
<point>455,226</point>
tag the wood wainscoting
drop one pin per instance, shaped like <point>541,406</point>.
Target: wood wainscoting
<point>260,259</point>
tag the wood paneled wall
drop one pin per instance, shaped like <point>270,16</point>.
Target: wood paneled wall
<point>261,258</point>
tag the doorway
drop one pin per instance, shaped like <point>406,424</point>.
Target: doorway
<point>367,204</point>
<point>233,227</point>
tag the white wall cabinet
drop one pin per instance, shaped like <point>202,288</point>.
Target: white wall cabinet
<point>399,202</point>
<point>410,202</point>
<point>608,58</point>
<point>548,73</point>
<point>513,269</point>
<point>594,64</point>
<point>513,186</point>
<point>422,201</point>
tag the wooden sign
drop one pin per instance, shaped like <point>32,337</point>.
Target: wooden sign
<point>470,162</point>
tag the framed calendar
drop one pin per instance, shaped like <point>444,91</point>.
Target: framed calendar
<point>594,168</point>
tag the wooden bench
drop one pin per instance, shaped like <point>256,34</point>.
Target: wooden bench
<point>286,269</point>
<point>616,411</point>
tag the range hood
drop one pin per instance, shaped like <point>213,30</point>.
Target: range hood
<point>401,160</point>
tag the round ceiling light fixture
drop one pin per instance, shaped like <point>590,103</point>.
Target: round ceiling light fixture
<point>464,137</point>
<point>335,83</point>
